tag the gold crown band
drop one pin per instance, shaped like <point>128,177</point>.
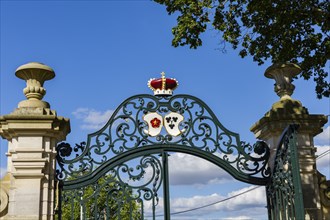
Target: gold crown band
<point>163,81</point>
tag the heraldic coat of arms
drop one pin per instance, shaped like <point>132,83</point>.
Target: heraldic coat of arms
<point>171,121</point>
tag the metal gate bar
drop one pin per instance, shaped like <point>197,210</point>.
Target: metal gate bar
<point>166,191</point>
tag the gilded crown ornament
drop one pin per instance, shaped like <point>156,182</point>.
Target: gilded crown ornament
<point>163,86</point>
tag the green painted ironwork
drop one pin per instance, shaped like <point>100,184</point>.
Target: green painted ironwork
<point>121,157</point>
<point>119,194</point>
<point>284,193</point>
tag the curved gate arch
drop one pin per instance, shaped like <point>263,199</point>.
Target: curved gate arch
<point>145,128</point>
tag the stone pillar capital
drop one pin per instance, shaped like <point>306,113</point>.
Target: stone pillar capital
<point>16,125</point>
<point>285,112</point>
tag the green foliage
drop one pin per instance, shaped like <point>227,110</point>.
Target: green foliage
<point>295,31</point>
<point>106,199</point>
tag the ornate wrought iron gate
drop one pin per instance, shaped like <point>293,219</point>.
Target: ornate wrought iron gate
<point>121,172</point>
<point>284,194</point>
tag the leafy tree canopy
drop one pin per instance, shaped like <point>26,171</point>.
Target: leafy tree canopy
<point>295,31</point>
<point>108,198</point>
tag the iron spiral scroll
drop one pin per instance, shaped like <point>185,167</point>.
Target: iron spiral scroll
<point>124,138</point>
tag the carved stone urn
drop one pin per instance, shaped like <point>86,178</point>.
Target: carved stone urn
<point>35,74</point>
<point>283,74</point>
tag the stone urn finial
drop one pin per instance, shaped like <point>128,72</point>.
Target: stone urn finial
<point>35,74</point>
<point>283,74</point>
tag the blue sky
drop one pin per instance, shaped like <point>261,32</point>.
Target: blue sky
<point>105,51</point>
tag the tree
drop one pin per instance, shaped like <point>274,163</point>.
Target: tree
<point>295,31</point>
<point>108,198</point>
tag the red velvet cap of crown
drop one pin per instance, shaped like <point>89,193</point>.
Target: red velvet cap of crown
<point>163,86</point>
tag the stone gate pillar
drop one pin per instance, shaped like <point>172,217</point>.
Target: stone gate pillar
<point>289,111</point>
<point>32,131</point>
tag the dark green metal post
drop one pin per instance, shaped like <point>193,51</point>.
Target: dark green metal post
<point>166,187</point>
<point>59,198</point>
<point>298,196</point>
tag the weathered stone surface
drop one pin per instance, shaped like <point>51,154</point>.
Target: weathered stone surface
<point>33,131</point>
<point>289,111</point>
<point>4,195</point>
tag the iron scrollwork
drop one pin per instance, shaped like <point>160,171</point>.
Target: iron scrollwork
<point>203,133</point>
<point>118,194</point>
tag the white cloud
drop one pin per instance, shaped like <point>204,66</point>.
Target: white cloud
<point>252,203</point>
<point>188,170</point>
<point>91,118</point>
<point>323,162</point>
<point>182,204</point>
<point>254,198</point>
<point>324,137</point>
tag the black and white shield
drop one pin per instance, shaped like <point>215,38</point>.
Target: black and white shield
<point>172,122</point>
